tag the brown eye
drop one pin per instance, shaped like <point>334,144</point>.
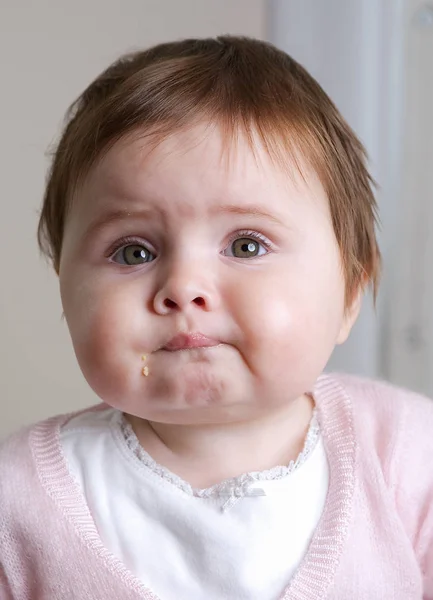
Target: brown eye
<point>133,255</point>
<point>245,248</point>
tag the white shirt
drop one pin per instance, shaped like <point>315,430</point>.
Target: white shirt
<point>185,543</point>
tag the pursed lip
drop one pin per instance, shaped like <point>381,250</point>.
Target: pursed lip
<point>188,341</point>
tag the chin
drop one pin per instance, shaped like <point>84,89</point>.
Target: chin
<point>190,405</point>
<point>198,415</point>
<point>194,386</point>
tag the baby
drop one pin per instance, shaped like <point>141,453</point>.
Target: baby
<point>212,222</point>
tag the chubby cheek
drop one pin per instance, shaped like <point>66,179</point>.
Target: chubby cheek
<point>289,333</point>
<point>104,324</point>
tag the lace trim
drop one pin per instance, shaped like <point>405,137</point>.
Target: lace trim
<point>231,489</point>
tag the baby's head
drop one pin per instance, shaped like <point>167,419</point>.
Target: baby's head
<point>212,222</point>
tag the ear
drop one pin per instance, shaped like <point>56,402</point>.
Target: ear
<point>350,315</point>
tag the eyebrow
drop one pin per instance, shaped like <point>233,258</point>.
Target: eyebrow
<point>124,215</point>
<point>115,216</point>
<point>247,211</point>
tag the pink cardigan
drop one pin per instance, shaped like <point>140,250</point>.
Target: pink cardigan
<point>374,540</point>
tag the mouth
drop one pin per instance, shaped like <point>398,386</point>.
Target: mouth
<point>189,341</point>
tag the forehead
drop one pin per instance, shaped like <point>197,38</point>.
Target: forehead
<point>196,164</point>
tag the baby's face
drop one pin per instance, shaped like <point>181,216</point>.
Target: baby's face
<point>171,250</point>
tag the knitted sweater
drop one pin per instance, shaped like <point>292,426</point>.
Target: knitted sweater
<point>374,539</point>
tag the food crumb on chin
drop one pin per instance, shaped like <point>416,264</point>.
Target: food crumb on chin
<point>145,371</point>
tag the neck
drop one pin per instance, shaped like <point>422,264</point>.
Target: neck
<point>204,455</point>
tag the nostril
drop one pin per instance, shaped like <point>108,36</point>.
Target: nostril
<point>169,303</point>
<point>199,301</point>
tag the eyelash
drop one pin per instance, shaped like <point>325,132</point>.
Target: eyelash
<point>251,234</point>
<point>126,241</point>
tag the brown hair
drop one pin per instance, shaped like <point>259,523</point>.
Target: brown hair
<point>242,85</point>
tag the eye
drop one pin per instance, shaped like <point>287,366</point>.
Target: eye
<point>134,254</point>
<point>247,247</point>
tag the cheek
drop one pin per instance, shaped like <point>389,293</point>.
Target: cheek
<point>272,325</point>
<point>290,321</point>
<point>103,321</point>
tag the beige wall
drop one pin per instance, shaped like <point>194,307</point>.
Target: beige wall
<point>49,51</point>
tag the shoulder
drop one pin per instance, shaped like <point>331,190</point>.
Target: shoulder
<point>18,468</point>
<point>16,457</point>
<point>394,431</point>
<point>396,421</point>
<point>14,451</point>
<point>19,483</point>
<point>384,403</point>
<point>21,452</point>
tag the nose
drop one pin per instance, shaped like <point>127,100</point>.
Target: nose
<point>185,287</point>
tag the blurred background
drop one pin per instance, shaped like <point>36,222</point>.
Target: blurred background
<point>374,58</point>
